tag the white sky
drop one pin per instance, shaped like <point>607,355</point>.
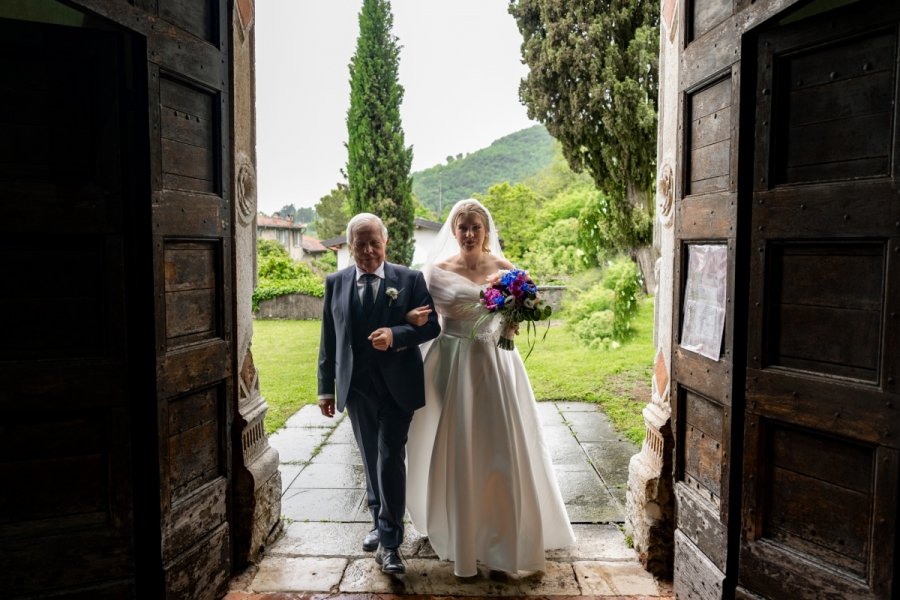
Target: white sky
<point>460,67</point>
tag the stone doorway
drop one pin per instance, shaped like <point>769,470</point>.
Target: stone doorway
<point>323,503</point>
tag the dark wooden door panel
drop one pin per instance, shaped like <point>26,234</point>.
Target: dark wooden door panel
<point>66,516</point>
<point>189,83</point>
<point>820,477</point>
<point>115,174</point>
<point>840,92</point>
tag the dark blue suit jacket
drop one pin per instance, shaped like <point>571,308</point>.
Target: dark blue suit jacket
<point>400,365</point>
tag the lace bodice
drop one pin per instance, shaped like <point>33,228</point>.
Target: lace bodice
<point>456,300</point>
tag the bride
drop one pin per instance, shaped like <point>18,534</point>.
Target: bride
<point>480,484</point>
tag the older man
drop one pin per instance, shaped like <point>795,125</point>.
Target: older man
<point>369,361</point>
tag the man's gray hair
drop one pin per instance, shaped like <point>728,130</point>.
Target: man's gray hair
<point>361,220</point>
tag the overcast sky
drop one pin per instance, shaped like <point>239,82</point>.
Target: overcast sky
<point>460,67</point>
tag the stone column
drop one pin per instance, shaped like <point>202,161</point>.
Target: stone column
<point>650,501</point>
<point>257,481</point>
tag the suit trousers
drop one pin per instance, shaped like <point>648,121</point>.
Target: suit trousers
<point>381,427</point>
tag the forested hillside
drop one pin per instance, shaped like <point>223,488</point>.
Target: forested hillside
<point>512,159</point>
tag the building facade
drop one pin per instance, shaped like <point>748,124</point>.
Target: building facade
<point>284,231</point>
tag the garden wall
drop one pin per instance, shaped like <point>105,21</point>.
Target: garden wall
<point>301,306</point>
<point>291,306</point>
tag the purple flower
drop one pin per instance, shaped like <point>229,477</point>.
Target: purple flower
<point>493,298</point>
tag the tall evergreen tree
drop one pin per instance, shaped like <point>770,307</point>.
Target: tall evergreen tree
<point>378,160</point>
<point>593,83</point>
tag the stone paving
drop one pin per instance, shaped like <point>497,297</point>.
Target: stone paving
<point>323,505</point>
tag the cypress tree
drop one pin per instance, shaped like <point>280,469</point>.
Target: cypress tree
<point>378,160</point>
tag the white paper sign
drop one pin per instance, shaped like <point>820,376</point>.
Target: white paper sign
<point>704,299</point>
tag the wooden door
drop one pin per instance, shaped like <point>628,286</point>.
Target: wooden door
<point>68,305</point>
<point>822,429</point>
<point>703,358</point>
<point>116,262</point>
<point>191,229</point>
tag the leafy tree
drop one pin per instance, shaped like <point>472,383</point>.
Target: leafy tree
<point>602,228</point>
<point>557,176</point>
<point>306,215</point>
<point>423,211</point>
<point>378,160</point>
<point>593,83</point>
<point>287,211</point>
<point>554,254</point>
<point>332,213</point>
<point>514,208</point>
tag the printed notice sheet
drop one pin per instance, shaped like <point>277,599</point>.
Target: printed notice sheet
<point>704,299</point>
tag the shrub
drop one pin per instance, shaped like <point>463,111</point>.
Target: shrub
<point>553,254</point>
<point>624,279</point>
<point>327,263</point>
<point>596,331</point>
<point>602,315</point>
<point>270,248</point>
<point>278,275</point>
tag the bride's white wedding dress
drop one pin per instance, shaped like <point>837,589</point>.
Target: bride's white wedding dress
<point>480,482</point>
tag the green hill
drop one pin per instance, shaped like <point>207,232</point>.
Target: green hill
<point>512,158</point>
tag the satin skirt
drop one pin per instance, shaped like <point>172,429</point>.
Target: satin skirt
<point>480,480</point>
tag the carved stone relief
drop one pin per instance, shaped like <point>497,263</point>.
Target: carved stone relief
<point>246,188</point>
<point>666,195</point>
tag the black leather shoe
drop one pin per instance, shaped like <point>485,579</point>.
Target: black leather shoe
<point>371,541</point>
<point>390,561</point>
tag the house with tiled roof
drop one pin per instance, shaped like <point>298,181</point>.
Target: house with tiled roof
<point>312,247</point>
<point>284,230</point>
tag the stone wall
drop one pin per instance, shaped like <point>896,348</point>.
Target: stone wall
<point>552,295</point>
<point>302,306</point>
<point>291,306</point>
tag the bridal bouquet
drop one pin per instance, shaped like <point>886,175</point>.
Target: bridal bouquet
<point>514,296</point>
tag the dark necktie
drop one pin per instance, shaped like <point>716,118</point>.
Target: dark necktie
<point>368,292</point>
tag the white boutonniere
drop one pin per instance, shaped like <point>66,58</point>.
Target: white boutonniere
<point>393,294</point>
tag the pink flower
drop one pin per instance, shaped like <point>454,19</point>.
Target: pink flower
<point>493,298</point>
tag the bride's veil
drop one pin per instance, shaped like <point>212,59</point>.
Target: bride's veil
<point>444,245</point>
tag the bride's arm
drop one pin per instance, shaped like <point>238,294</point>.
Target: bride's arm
<point>418,316</point>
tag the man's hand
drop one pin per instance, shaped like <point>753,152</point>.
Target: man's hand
<point>382,338</point>
<point>326,405</point>
<point>418,316</point>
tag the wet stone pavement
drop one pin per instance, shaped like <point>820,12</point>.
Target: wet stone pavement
<point>325,515</point>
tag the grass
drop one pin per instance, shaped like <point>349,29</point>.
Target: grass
<point>286,355</point>
<point>561,368</point>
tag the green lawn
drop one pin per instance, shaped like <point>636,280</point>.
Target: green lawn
<point>560,368</point>
<point>285,354</point>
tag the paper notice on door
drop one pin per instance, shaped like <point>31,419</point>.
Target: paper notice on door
<point>704,299</point>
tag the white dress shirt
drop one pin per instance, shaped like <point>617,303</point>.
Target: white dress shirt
<point>376,283</point>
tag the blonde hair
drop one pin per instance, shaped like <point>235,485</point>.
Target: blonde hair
<point>475,207</point>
